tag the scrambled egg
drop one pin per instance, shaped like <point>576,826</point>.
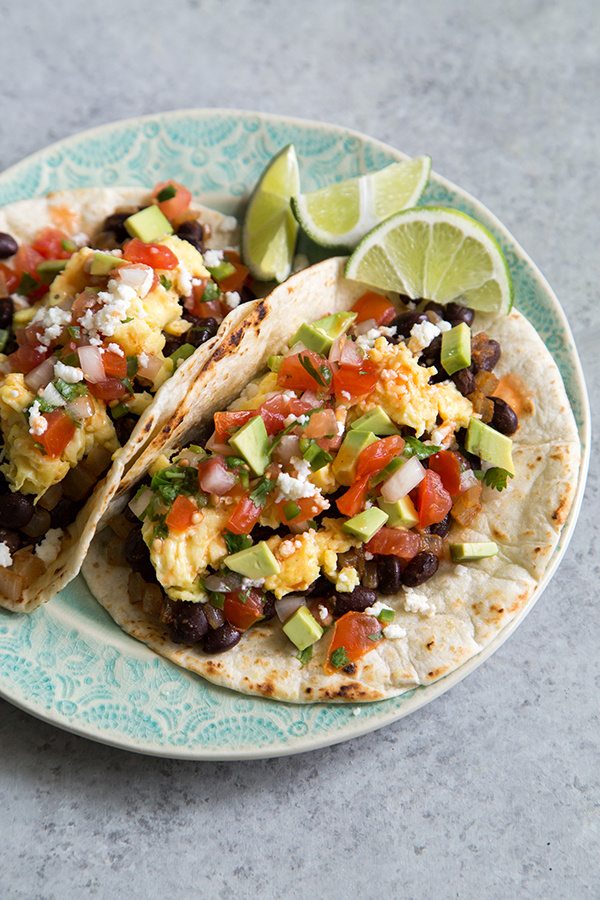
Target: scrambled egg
<point>302,556</point>
<point>255,393</point>
<point>27,468</point>
<point>181,559</point>
<point>404,392</point>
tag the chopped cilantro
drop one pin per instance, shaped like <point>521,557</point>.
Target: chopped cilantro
<point>322,376</point>
<point>174,480</point>
<point>217,599</point>
<point>375,636</point>
<point>243,596</point>
<point>167,193</point>
<point>74,331</point>
<point>339,658</point>
<point>236,542</point>
<point>166,282</point>
<point>127,320</point>
<point>415,447</point>
<point>305,655</point>
<point>495,477</point>
<point>260,492</point>
<point>160,529</point>
<point>211,292</point>
<point>27,284</point>
<point>132,366</point>
<point>70,391</point>
<point>71,359</point>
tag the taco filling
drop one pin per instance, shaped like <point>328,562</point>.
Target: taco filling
<point>91,327</point>
<point>332,480</point>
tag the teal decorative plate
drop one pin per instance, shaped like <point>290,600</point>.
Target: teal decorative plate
<point>68,663</point>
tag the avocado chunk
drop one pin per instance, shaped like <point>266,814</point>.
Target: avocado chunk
<point>377,421</point>
<point>344,465</point>
<point>253,562</point>
<point>490,445</point>
<point>302,628</point>
<point>456,348</point>
<point>401,514</point>
<point>252,443</point>
<point>467,552</point>
<point>103,263</point>
<point>320,335</point>
<point>366,523</point>
<point>50,268</point>
<point>314,455</point>
<point>149,224</point>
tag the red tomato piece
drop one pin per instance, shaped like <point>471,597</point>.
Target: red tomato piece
<point>240,612</point>
<point>308,510</point>
<point>295,376</point>
<point>27,358</point>
<point>27,260</point>
<point>353,501</point>
<point>447,465</point>
<point>10,278</point>
<point>181,513</point>
<point>355,633</point>
<point>349,383</point>
<point>59,432</point>
<point>432,500</point>
<point>228,422</point>
<point>394,542</point>
<point>154,255</point>
<point>374,306</point>
<point>244,517</point>
<point>49,244</point>
<point>115,364</point>
<point>109,389</point>
<point>237,279</point>
<point>176,207</point>
<point>377,455</point>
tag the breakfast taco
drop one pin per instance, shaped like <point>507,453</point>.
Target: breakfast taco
<point>110,303</point>
<point>363,492</point>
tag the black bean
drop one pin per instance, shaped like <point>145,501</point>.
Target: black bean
<point>193,233</point>
<point>322,587</point>
<point>356,601</point>
<point>215,617</point>
<point>389,572</point>
<point>441,528</point>
<point>221,639</point>
<point>431,354</point>
<point>188,623</point>
<point>201,331</point>
<point>12,539</point>
<point>268,606</point>
<point>124,426</point>
<point>420,569</point>
<point>370,577</point>
<point>464,380</point>
<point>437,308</point>
<point>455,314</point>
<point>6,312</point>
<point>64,512</point>
<point>115,224</point>
<point>505,419</point>
<point>8,245</point>
<point>138,555</point>
<point>485,352</point>
<point>404,323</point>
<point>16,510</point>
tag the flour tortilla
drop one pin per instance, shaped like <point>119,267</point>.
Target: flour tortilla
<point>88,207</point>
<point>470,603</point>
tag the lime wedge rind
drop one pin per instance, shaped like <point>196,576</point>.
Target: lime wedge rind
<point>378,259</point>
<point>319,213</point>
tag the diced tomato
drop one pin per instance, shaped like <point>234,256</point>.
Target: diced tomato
<point>211,309</point>
<point>432,500</point>
<point>26,262</point>
<point>243,611</point>
<point>322,424</point>
<point>349,383</point>
<point>154,255</point>
<point>115,364</point>
<point>377,455</point>
<point>244,517</point>
<point>59,432</point>
<point>49,244</point>
<point>10,278</point>
<point>309,508</point>
<point>228,422</point>
<point>181,514</point>
<point>447,465</point>
<point>237,279</point>
<point>355,633</point>
<point>394,542</point>
<point>27,358</point>
<point>374,306</point>
<point>175,208</point>
<point>295,376</point>
<point>109,389</point>
<point>353,501</point>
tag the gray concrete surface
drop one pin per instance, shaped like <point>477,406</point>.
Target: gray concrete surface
<point>492,791</point>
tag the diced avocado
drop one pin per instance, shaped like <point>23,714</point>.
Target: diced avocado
<point>302,628</point>
<point>149,224</point>
<point>320,335</point>
<point>456,348</point>
<point>251,442</point>
<point>253,562</point>
<point>366,523</point>
<point>221,271</point>
<point>377,421</point>
<point>317,457</point>
<point>466,552</point>
<point>389,470</point>
<point>490,445</point>
<point>50,268</point>
<point>336,324</point>
<point>401,514</point>
<point>274,362</point>
<point>103,263</point>
<point>353,444</point>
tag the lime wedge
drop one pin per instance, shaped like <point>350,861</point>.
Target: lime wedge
<point>341,214</point>
<point>438,254</point>
<point>270,230</point>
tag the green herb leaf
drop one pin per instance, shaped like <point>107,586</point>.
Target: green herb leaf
<point>237,542</point>
<point>415,447</point>
<point>132,366</point>
<point>160,529</point>
<point>495,477</point>
<point>211,292</point>
<point>318,376</point>
<point>74,331</point>
<point>376,636</point>
<point>217,599</point>
<point>305,655</point>
<point>259,495</point>
<point>339,658</point>
<point>174,480</point>
<point>27,284</point>
<point>166,283</point>
<point>70,391</point>
<point>167,193</point>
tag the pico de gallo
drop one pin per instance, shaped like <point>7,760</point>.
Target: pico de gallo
<point>90,327</point>
<point>332,481</point>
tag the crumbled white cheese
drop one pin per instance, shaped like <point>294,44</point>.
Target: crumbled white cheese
<point>421,335</point>
<point>50,546</point>
<point>346,395</point>
<point>143,359</point>
<point>183,281</point>
<point>443,325</point>
<point>19,301</point>
<point>231,299</point>
<point>295,488</point>
<point>115,348</point>
<point>248,583</point>
<point>289,420</point>
<point>37,423</point>
<point>388,331</point>
<point>116,307</point>
<point>366,341</point>
<point>347,579</point>
<point>212,258</point>
<point>51,396</point>
<point>5,557</point>
<point>322,612</point>
<point>80,239</point>
<point>377,608</point>
<point>368,555</point>
<point>394,631</point>
<point>53,319</point>
<point>70,374</point>
<point>415,602</point>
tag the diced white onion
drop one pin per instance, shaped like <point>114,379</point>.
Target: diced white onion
<point>140,502</point>
<point>223,583</point>
<point>288,446</point>
<point>81,408</point>
<point>215,446</point>
<point>403,481</point>
<point>335,350</point>
<point>288,605</point>
<point>138,277</point>
<point>351,355</point>
<point>151,367</point>
<point>363,327</point>
<point>216,478</point>
<point>467,480</point>
<point>91,363</point>
<point>41,375</point>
